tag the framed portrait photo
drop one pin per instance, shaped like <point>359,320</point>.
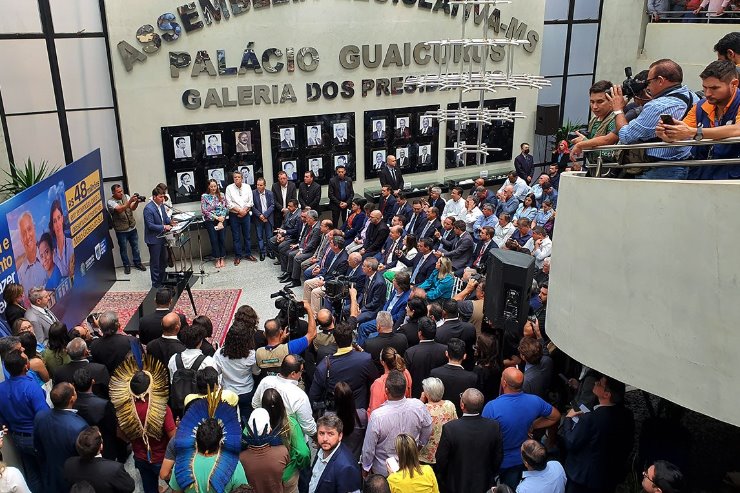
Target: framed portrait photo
<point>341,160</point>
<point>213,144</point>
<point>378,127</point>
<point>247,171</point>
<point>316,164</point>
<point>218,174</point>
<point>287,138</point>
<point>186,183</point>
<point>425,155</point>
<point>243,141</point>
<point>182,147</point>
<point>402,127</point>
<point>378,159</point>
<point>313,135</point>
<point>290,166</point>
<point>426,127</point>
<point>402,157</point>
<point>339,132</point>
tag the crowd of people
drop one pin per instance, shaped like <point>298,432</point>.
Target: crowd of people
<point>716,11</point>
<point>387,376</point>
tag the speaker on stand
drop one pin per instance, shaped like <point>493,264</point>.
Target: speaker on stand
<point>547,121</point>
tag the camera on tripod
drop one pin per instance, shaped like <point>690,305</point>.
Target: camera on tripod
<point>287,303</point>
<point>337,289</point>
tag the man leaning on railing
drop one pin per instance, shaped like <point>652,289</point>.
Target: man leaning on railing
<point>714,117</point>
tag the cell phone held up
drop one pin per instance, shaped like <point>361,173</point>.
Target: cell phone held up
<point>666,119</point>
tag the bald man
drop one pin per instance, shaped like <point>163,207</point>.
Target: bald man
<point>517,413</point>
<point>377,233</point>
<point>167,345</point>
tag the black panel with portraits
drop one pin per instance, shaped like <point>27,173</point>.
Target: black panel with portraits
<point>194,154</point>
<point>316,143</point>
<point>407,133</point>
<point>499,134</point>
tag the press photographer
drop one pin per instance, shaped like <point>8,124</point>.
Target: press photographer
<point>270,357</point>
<point>121,208</point>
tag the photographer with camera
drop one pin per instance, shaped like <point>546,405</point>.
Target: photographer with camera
<point>270,357</point>
<point>671,99</point>
<point>121,208</point>
<point>335,265</point>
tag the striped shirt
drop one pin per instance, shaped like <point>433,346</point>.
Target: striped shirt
<point>642,128</point>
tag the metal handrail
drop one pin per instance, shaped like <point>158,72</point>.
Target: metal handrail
<point>678,143</point>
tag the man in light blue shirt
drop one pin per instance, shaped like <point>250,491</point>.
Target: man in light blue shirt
<point>487,219</point>
<point>541,476</point>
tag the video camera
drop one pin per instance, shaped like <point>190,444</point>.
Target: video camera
<point>287,303</point>
<point>338,288</point>
<point>631,87</point>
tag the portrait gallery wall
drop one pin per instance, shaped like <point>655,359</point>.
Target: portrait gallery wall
<point>194,154</point>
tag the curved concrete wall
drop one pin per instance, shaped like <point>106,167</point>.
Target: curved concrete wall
<point>644,286</point>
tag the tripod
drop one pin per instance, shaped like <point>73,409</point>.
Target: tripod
<point>202,272</point>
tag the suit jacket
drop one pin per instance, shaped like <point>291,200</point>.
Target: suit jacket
<point>150,325</point>
<point>425,160</point>
<point>439,204</point>
<point>429,233</point>
<point>460,330</point>
<point>537,378</point>
<point>350,233</point>
<point>287,144</point>
<point>461,251</point>
<point>334,197</point>
<point>309,195</point>
<point>277,194</point>
<point>54,435</point>
<point>385,177</point>
<point>340,141</point>
<point>421,360</point>
<point>338,266</point>
<point>375,237</point>
<point>341,474</point>
<point>293,225</point>
<point>41,323</point>
<point>358,277</point>
<point>270,199</point>
<point>153,223</point>
<point>105,476</point>
<point>387,207</point>
<point>100,374</point>
<point>487,253</point>
<point>456,380</point>
<point>163,348</point>
<point>13,312</point>
<point>399,309</point>
<point>426,268</point>
<point>598,446</point>
<point>101,413</point>
<point>524,166</point>
<point>379,135</point>
<point>419,222</point>
<point>111,350</point>
<point>404,210</point>
<point>374,295</point>
<point>388,248</point>
<point>468,447</point>
<point>183,190</point>
<point>312,239</point>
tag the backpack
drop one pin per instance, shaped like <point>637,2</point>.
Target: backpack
<point>183,384</point>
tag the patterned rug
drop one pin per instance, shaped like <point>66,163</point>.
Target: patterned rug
<point>218,304</point>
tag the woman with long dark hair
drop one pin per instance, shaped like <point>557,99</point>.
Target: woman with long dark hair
<point>64,255</point>
<point>205,323</point>
<point>486,366</point>
<point>214,209</point>
<point>249,317</point>
<point>292,437</point>
<point>390,360</point>
<point>526,209</point>
<point>354,421</point>
<point>55,354</point>
<point>237,363</point>
<point>40,373</point>
<point>51,270</point>
<point>415,309</point>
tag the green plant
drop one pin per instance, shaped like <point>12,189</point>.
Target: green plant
<point>567,129</point>
<point>23,177</point>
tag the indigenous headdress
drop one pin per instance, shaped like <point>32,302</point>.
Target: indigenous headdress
<point>211,407</point>
<point>258,431</point>
<point>124,400</point>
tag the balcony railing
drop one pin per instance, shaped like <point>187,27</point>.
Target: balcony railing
<point>731,16</point>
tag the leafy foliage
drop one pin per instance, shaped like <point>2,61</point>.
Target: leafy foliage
<point>25,176</point>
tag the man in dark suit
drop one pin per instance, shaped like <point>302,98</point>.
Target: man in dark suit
<point>389,175</point>
<point>336,264</point>
<point>379,133</point>
<point>417,218</point>
<point>335,469</point>
<point>105,476</point>
<point>303,250</point>
<point>79,354</point>
<point>425,356</point>
<point>156,222</point>
<point>459,249</point>
<point>482,250</point>
<point>150,325</point>
<point>341,194</point>
<point>54,434</point>
<point>432,224</point>
<point>423,263</point>
<point>598,445</point>
<point>309,192</point>
<point>375,236</point>
<point>387,203</point>
<point>435,198</point>
<point>111,349</point>
<point>453,327</point>
<point>538,367</point>
<point>186,184</point>
<point>388,256</point>
<point>470,449</point>
<point>426,128</point>
<point>98,412</point>
<point>455,378</point>
<point>402,208</point>
<point>283,190</point>
<point>340,137</point>
<point>264,205</point>
<point>288,231</point>
<point>374,293</point>
<point>424,158</point>
<point>287,142</point>
<point>403,160</point>
<point>163,348</point>
<point>524,164</point>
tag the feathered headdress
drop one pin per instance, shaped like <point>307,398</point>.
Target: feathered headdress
<point>124,400</point>
<point>185,444</point>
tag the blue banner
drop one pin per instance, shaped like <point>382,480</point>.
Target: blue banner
<point>55,235</point>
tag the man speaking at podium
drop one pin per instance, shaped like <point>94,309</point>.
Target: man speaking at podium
<point>156,222</point>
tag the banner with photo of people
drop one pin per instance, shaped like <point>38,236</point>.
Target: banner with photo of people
<point>55,235</point>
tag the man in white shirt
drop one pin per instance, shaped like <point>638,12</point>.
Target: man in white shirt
<point>540,245</point>
<point>521,189</point>
<point>503,230</point>
<point>239,200</point>
<point>295,399</point>
<point>192,337</point>
<point>455,207</point>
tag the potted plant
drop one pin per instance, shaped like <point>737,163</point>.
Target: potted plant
<point>23,177</point>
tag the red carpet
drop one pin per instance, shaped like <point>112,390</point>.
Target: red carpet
<point>218,304</point>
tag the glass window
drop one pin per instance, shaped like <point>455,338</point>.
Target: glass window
<point>551,94</point>
<point>583,41</point>
<point>553,49</point>
<point>89,130</point>
<point>25,80</point>
<point>19,16</point>
<point>576,99</point>
<point>586,9</point>
<point>557,10</point>
<point>83,68</point>
<point>37,137</point>
<point>73,17</point>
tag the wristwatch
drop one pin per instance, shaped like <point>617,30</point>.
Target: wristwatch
<point>699,135</point>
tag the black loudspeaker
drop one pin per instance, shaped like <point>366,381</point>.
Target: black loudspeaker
<point>547,119</point>
<point>508,284</point>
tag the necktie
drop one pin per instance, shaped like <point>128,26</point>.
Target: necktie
<point>424,231</point>
<point>328,269</point>
<point>393,174</point>
<point>263,202</point>
<point>390,252</point>
<point>410,225</point>
<point>50,315</point>
<point>480,254</point>
<point>416,270</point>
<point>305,238</point>
<point>323,259</point>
